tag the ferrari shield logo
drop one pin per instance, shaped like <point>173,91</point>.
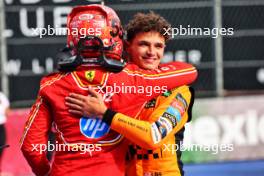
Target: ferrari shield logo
<point>89,75</point>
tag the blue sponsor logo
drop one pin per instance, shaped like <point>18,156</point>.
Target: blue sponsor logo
<point>93,127</point>
<point>162,129</point>
<point>175,112</point>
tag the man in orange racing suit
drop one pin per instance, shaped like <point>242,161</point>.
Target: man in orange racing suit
<point>156,132</point>
<point>87,146</point>
<point>159,127</point>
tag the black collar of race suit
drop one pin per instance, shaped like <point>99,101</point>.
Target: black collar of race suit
<point>68,62</point>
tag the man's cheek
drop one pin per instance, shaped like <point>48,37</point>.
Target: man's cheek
<point>160,55</point>
<point>157,62</point>
<point>141,51</point>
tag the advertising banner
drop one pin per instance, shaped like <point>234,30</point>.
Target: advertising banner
<point>224,129</point>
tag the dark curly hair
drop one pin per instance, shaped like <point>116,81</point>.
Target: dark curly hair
<point>147,22</point>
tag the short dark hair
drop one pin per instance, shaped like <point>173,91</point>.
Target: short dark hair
<point>145,23</point>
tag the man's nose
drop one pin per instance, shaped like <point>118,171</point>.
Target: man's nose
<point>151,50</point>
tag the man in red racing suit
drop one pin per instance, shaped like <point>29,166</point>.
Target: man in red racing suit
<point>108,150</point>
<point>87,146</point>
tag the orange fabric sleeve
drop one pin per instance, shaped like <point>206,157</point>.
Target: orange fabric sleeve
<point>170,116</point>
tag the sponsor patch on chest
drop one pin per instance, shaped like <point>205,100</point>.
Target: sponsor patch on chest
<point>93,128</point>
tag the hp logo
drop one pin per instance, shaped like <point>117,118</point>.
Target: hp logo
<point>93,128</point>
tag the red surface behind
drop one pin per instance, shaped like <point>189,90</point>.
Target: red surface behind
<point>13,162</point>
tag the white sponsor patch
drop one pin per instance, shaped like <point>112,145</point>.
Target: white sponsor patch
<point>155,133</point>
<point>171,118</point>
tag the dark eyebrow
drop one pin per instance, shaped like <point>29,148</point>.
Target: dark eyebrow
<point>159,44</point>
<point>143,42</point>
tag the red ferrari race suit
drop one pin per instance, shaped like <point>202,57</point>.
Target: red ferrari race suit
<point>87,146</point>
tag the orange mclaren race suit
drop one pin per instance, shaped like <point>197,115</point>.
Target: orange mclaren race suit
<point>87,146</point>
<point>157,131</point>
